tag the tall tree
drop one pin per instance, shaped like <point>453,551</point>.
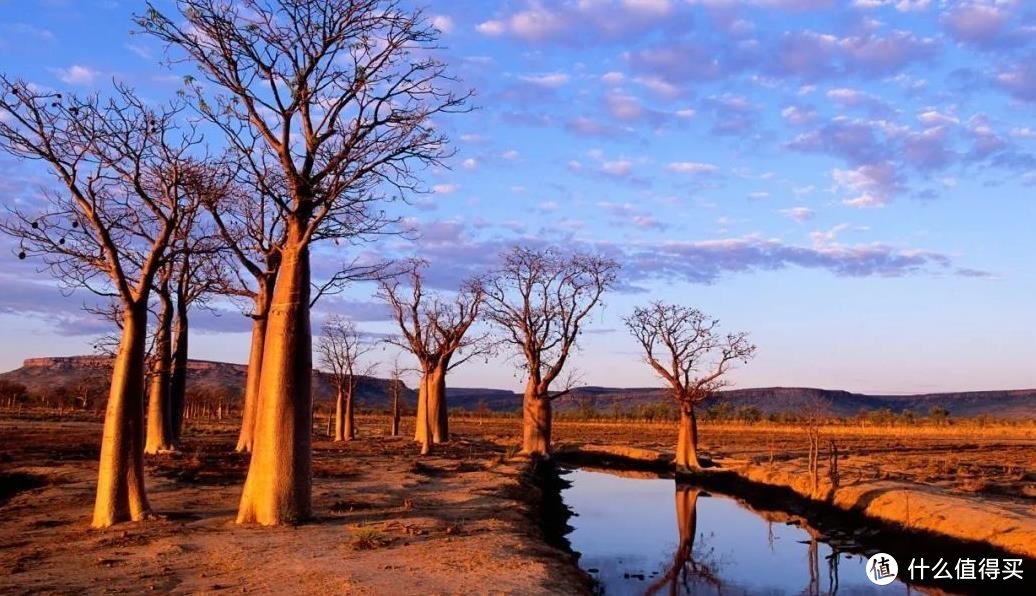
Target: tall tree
<point>160,434</point>
<point>684,347</point>
<point>199,274</point>
<point>330,103</point>
<point>122,165</point>
<point>541,299</point>
<point>251,225</point>
<point>435,330</point>
<point>340,348</point>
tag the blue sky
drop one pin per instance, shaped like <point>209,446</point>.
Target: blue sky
<point>850,182</point>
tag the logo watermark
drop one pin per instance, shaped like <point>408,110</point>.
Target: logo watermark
<point>882,569</point>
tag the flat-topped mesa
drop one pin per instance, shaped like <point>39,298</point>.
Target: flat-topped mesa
<point>81,362</point>
<point>68,362</point>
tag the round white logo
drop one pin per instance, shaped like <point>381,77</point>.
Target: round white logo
<point>882,569</point>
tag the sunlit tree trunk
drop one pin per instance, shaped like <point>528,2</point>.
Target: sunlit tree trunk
<point>350,412</point>
<point>536,422</point>
<point>278,486</point>
<point>178,377</point>
<point>255,369</point>
<point>687,440</point>
<point>438,419</point>
<point>421,432</point>
<point>345,428</point>
<point>160,435</point>
<point>121,495</point>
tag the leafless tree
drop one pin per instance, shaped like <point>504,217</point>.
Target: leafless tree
<point>122,166</point>
<point>435,330</point>
<point>160,436</point>
<point>330,105</point>
<point>541,299</point>
<point>252,228</point>
<point>686,349</point>
<point>340,348</point>
<point>396,388</point>
<point>200,273</point>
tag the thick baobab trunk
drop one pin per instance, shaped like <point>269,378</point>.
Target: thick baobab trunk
<point>536,421</point>
<point>687,440</point>
<point>255,369</point>
<point>279,482</point>
<point>350,418</point>
<point>345,429</point>
<point>438,423</point>
<point>120,477</point>
<point>421,414</point>
<point>160,436</point>
<point>423,432</point>
<point>178,376</point>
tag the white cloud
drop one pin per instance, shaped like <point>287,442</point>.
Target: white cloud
<point>470,163</point>
<point>442,23</point>
<point>692,167</point>
<point>491,28</point>
<point>612,78</point>
<point>656,8</point>
<point>935,118</point>
<point>619,167</point>
<point>547,79</point>
<point>659,85</point>
<point>444,189</point>
<point>509,154</point>
<point>77,75</point>
<point>799,214</point>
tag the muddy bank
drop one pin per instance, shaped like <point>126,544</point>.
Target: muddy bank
<point>897,509</point>
<point>464,520</point>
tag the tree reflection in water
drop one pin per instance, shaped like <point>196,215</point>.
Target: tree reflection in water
<point>686,571</point>
<point>689,572</point>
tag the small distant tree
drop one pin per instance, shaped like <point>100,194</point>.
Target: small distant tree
<point>435,330</point>
<point>685,348</point>
<point>396,388</point>
<point>939,415</point>
<point>341,347</point>
<point>540,299</point>
<point>12,393</point>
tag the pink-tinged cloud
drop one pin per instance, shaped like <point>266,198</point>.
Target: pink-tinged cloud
<point>978,23</point>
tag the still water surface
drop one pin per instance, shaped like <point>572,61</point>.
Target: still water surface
<point>629,532</point>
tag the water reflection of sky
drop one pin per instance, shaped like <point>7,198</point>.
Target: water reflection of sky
<point>626,528</point>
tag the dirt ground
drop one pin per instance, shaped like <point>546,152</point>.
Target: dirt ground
<point>388,521</point>
<point>456,522</point>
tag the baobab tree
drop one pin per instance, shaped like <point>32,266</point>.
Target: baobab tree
<point>340,348</point>
<point>182,281</point>
<point>540,299</point>
<point>684,347</point>
<point>160,434</point>
<point>332,102</point>
<point>435,330</point>
<point>252,228</point>
<point>122,166</point>
<point>200,273</point>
